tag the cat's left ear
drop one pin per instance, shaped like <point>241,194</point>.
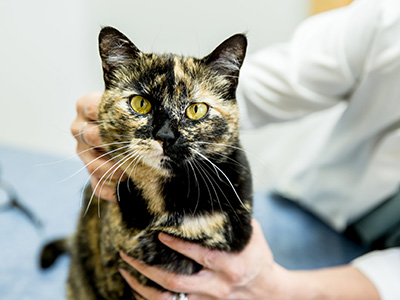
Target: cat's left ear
<point>228,57</point>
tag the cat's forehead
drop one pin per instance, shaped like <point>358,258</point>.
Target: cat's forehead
<point>172,75</point>
<point>172,80</point>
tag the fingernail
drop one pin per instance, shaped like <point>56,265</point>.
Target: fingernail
<point>123,255</point>
<point>122,271</point>
<point>165,237</point>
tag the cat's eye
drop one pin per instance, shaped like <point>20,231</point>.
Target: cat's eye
<point>196,111</point>
<point>140,105</point>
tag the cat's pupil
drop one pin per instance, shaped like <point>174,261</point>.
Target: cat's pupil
<point>196,109</point>
<point>142,103</point>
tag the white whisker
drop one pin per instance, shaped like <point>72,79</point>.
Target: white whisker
<point>211,180</point>
<point>117,166</point>
<point>140,157</point>
<point>75,155</point>
<point>230,183</point>
<point>187,171</point>
<point>92,161</point>
<point>227,158</point>
<point>259,161</point>
<point>134,157</point>
<point>222,191</point>
<point>209,192</point>
<point>237,148</point>
<point>91,198</point>
<point>81,132</point>
<point>196,182</point>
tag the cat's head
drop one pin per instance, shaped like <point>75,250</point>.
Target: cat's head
<point>162,110</point>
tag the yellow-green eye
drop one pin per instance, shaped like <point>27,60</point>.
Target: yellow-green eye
<point>140,105</point>
<point>196,111</point>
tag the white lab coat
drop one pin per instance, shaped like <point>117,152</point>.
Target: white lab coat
<point>342,71</point>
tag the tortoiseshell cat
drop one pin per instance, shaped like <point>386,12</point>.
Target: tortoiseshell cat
<point>171,122</point>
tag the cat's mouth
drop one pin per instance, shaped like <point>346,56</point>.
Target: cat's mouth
<point>165,152</point>
<point>156,155</point>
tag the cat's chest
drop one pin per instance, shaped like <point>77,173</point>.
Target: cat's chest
<point>211,229</point>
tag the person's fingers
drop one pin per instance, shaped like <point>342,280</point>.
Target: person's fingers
<point>149,293</point>
<point>85,127</point>
<point>138,297</point>
<point>233,267</point>
<point>105,174</point>
<point>230,266</point>
<point>202,255</point>
<point>86,133</point>
<point>224,274</point>
<point>87,106</point>
<point>145,292</point>
<point>203,283</point>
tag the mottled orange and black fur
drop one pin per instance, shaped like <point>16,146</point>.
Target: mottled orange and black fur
<point>188,178</point>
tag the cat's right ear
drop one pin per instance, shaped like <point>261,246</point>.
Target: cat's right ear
<point>115,49</point>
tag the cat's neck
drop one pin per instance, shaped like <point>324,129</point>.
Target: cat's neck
<point>185,191</point>
<point>150,181</point>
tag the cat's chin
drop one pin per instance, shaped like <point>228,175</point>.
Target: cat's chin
<point>167,163</point>
<point>159,162</point>
<point>153,161</point>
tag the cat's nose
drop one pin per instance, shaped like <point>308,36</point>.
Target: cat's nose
<point>165,135</point>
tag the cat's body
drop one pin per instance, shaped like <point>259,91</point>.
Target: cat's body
<point>171,122</point>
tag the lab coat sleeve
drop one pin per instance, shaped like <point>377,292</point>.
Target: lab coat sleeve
<point>383,269</point>
<point>317,69</point>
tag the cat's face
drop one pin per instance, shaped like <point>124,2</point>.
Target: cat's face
<point>165,110</point>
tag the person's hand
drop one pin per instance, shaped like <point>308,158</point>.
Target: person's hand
<point>89,148</point>
<point>249,275</point>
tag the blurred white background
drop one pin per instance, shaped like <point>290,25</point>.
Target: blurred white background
<point>49,58</point>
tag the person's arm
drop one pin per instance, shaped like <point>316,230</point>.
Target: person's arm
<point>249,275</point>
<point>89,146</point>
<point>316,70</point>
<point>343,282</point>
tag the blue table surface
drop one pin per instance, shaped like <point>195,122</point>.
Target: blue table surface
<point>44,184</point>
